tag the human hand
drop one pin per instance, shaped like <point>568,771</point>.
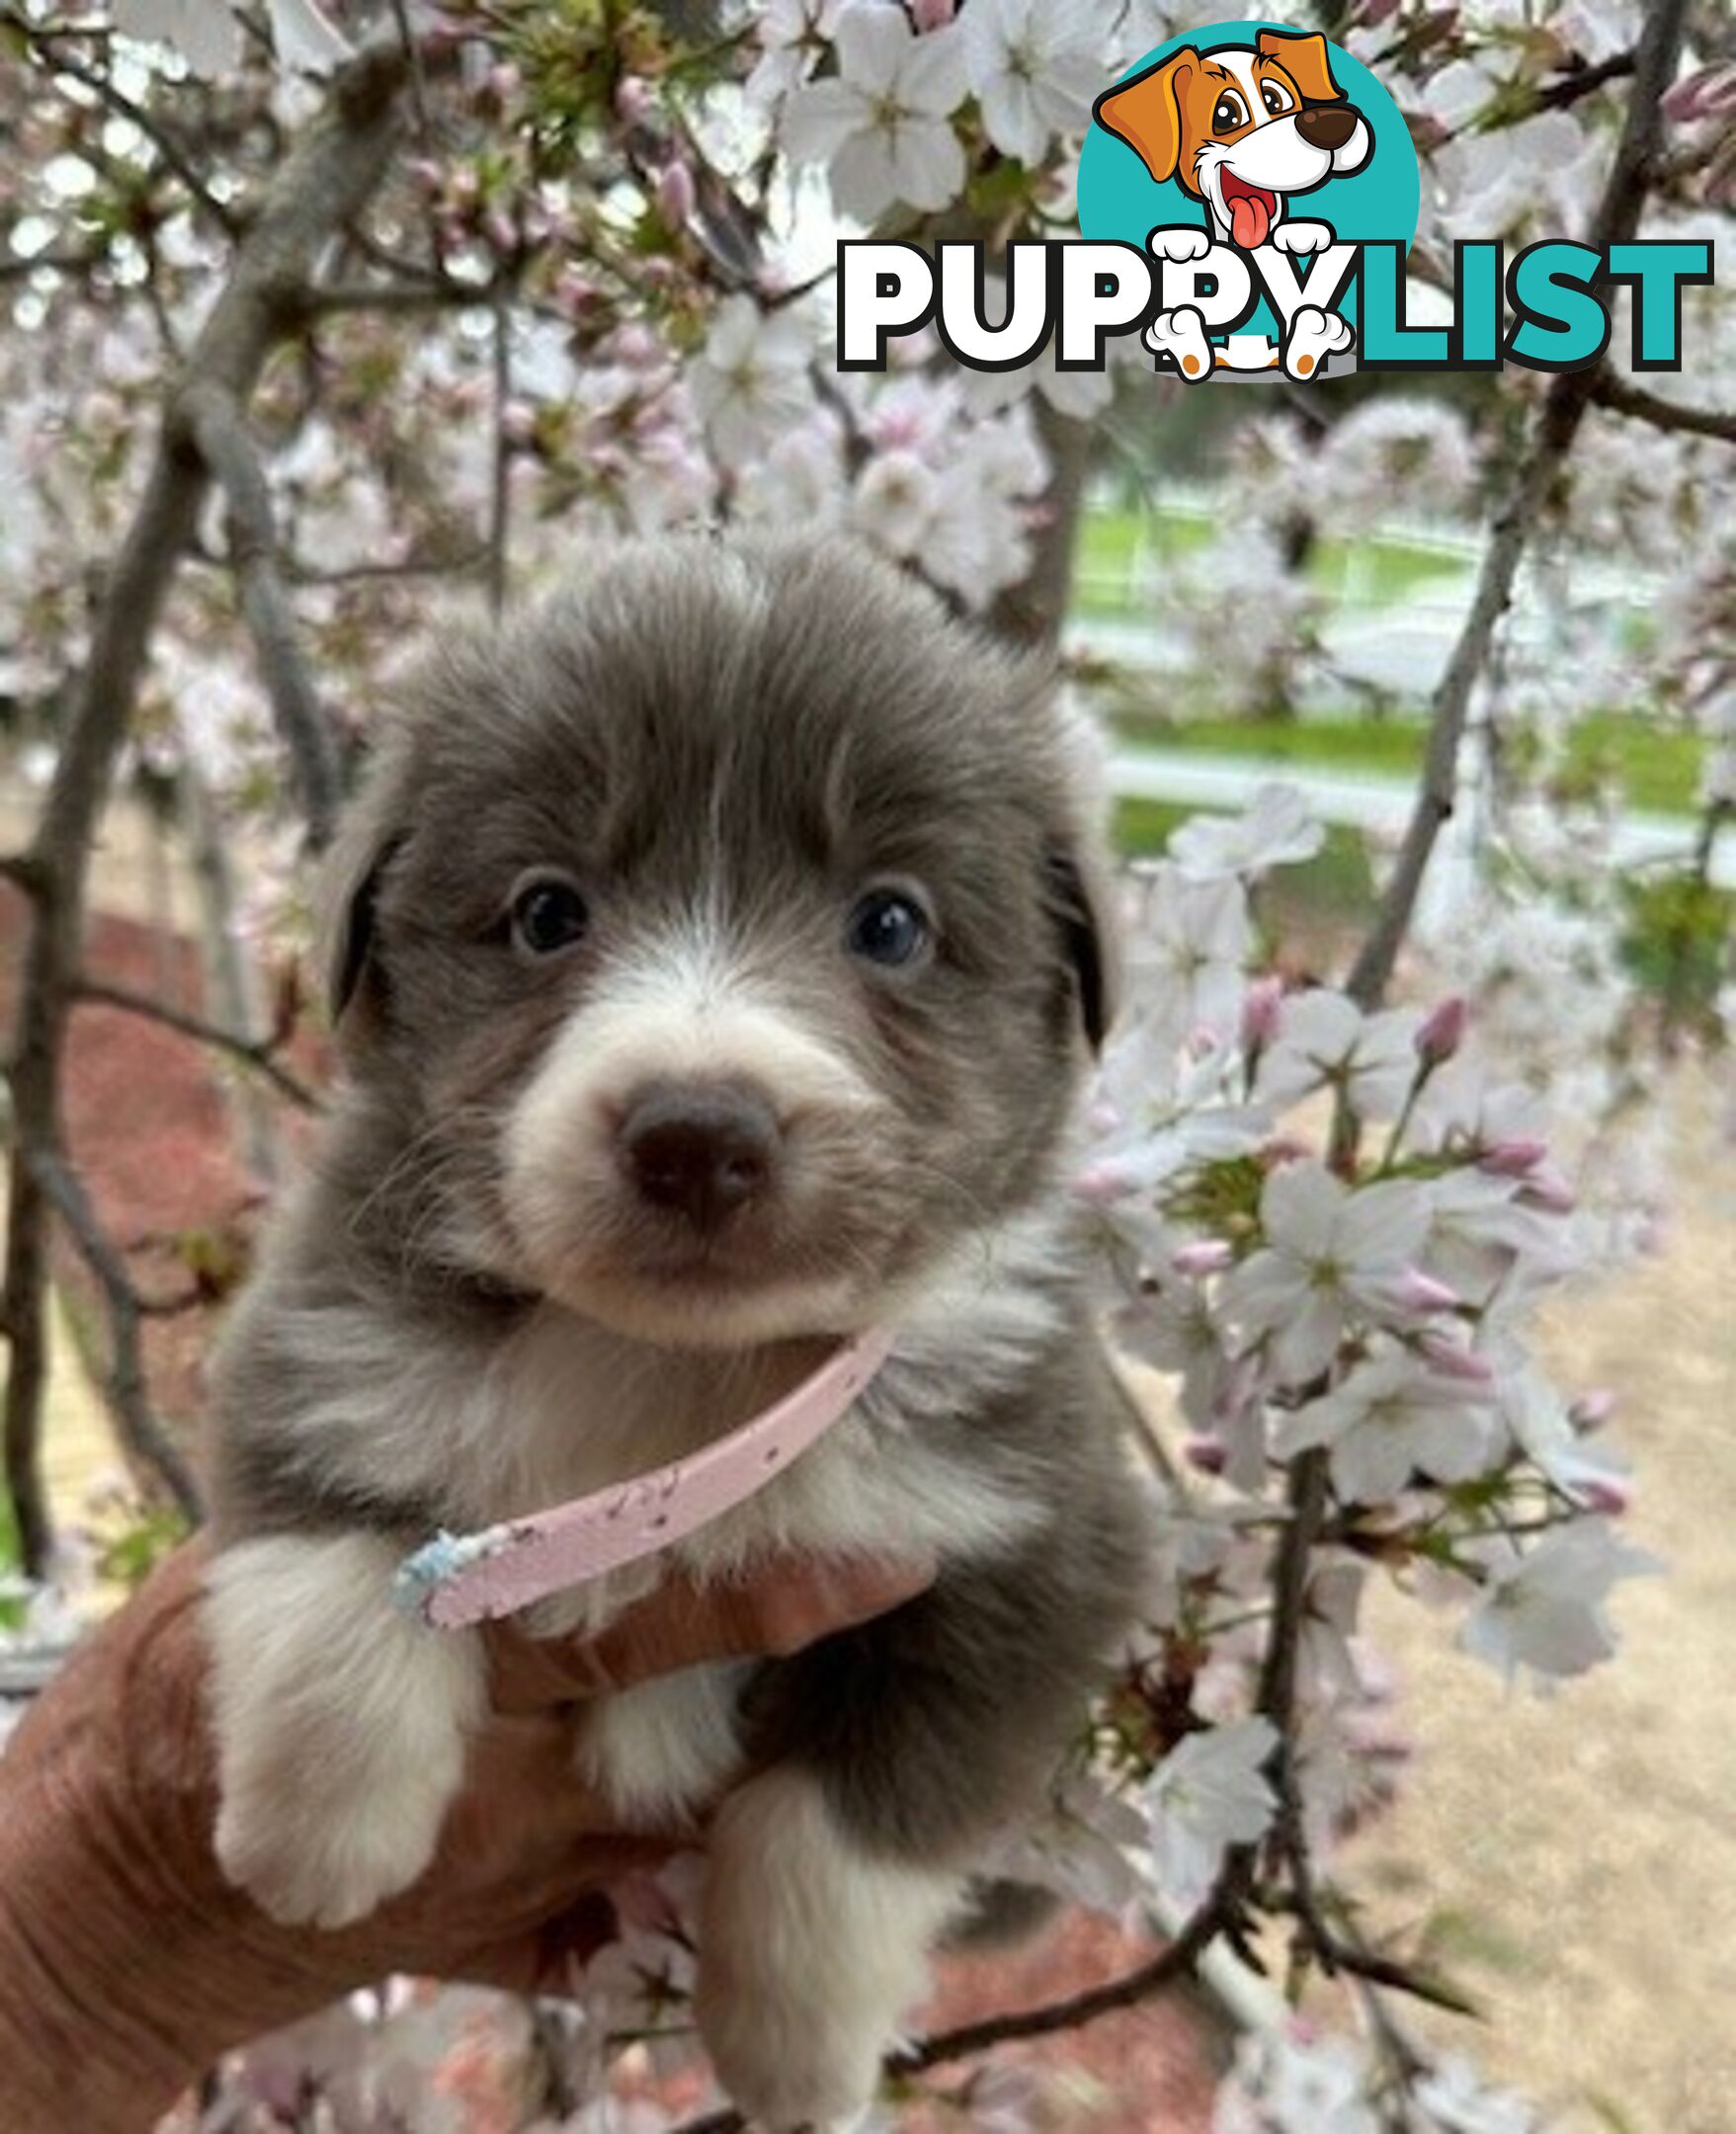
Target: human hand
<point>127,1963</point>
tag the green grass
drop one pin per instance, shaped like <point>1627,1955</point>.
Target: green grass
<point>1655,766</point>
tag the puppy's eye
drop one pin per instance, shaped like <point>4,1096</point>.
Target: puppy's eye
<point>1228,113</point>
<point>548,916</point>
<point>1275,98</point>
<point>887,928</point>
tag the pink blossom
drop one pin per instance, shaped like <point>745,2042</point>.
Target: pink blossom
<point>1513,1158</point>
<point>933,14</point>
<point>1203,1256</point>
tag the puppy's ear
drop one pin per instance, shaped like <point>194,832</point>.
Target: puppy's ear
<point>1147,113</point>
<point>375,824</point>
<point>1302,55</point>
<point>1079,886</point>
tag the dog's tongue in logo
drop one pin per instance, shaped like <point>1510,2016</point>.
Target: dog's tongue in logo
<point>1251,210</point>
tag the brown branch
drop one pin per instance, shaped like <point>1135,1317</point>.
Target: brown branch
<point>500,499</point>
<point>257,1053</point>
<point>1622,397</point>
<point>1631,174</point>
<point>319,189</point>
<point>213,421</point>
<point>125,1388</point>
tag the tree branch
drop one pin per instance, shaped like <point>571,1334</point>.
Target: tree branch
<point>1622,397</point>
<point>1631,177</point>
<point>129,1400</point>
<point>257,1053</point>
<point>214,423</point>
<point>319,190</point>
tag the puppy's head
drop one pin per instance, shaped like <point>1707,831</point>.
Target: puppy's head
<point>723,943</point>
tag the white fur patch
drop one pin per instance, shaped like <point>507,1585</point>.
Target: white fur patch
<point>661,1750</point>
<point>340,1725</point>
<point>810,1951</point>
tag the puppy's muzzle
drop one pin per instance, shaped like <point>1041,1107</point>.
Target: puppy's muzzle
<point>1327,126</point>
<point>699,1151</point>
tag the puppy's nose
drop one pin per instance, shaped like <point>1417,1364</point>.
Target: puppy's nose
<point>1327,125</point>
<point>699,1152</point>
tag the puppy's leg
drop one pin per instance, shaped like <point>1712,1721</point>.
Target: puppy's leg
<point>810,1951</point>
<point>340,1725</point>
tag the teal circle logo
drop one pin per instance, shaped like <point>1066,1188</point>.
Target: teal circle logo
<point>1260,145</point>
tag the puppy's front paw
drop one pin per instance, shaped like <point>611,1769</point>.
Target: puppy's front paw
<point>340,1726</point>
<point>1181,243</point>
<point>811,1950</point>
<point>327,1862</point>
<point>1307,237</point>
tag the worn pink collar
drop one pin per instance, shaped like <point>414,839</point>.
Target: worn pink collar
<point>460,1579</point>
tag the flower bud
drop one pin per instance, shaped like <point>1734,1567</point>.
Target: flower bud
<point>633,98</point>
<point>1442,1032</point>
<point>1612,1495</point>
<point>1452,1359</point>
<point>1205,1455</point>
<point>933,14</point>
<point>1260,1010</point>
<point>1102,1185</point>
<point>1202,1256</point>
<point>675,194</point>
<point>1593,1409</point>
<point>1415,1291</point>
<point>1547,1188</point>
<point>1513,1158</point>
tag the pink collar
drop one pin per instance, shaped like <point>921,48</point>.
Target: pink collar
<point>460,1579</point>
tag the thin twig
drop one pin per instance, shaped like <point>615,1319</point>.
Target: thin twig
<point>214,421</point>
<point>257,1053</point>
<point>1631,174</point>
<point>1622,397</point>
<point>128,1396</point>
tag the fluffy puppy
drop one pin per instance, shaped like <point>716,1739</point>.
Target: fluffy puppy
<point>717,956</point>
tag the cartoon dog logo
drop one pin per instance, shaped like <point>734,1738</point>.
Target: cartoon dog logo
<point>1243,130</point>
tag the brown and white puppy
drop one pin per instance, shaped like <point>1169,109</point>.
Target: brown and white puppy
<point>1243,130</point>
<point>718,954</point>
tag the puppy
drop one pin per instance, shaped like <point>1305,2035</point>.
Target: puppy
<point>717,956</point>
<point>1242,130</point>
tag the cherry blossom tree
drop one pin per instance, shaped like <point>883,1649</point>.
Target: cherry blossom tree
<point>321,318</point>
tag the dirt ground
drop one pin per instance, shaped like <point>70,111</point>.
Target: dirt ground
<point>1583,1846</point>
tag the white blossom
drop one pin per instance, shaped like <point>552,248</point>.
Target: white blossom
<point>1328,1251</point>
<point>1543,1609</point>
<point>894,504</point>
<point>1324,1040</point>
<point>1209,1794</point>
<point>1277,829</point>
<point>881,126</point>
<point>750,384</point>
<point>1034,67</point>
<point>1457,2101</point>
<point>1189,960</point>
<point>1387,1418</point>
